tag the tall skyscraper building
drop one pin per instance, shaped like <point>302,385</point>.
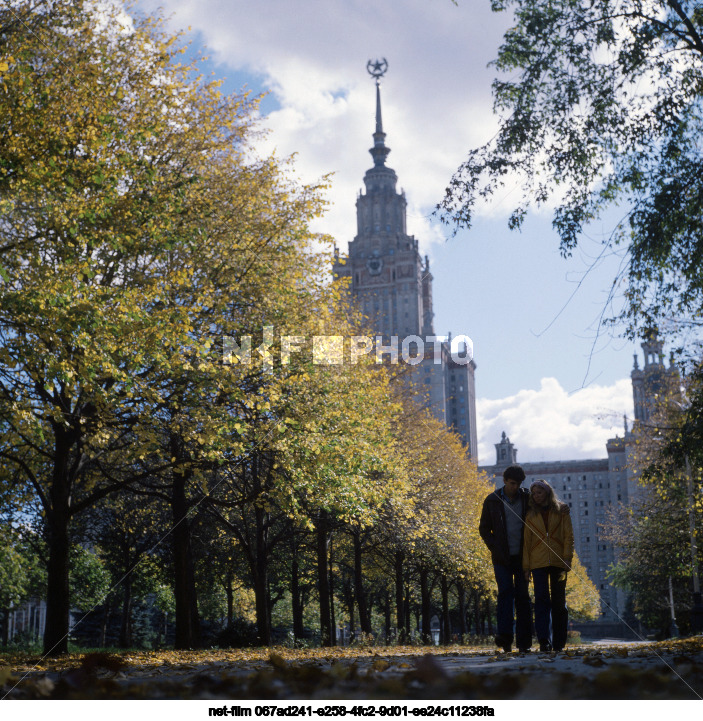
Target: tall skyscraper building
<point>392,283</point>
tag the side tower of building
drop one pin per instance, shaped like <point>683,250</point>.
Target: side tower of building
<point>649,382</point>
<point>651,386</point>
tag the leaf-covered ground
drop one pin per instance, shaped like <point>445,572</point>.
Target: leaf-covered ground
<point>667,670</point>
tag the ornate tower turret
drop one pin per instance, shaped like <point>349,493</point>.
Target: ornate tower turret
<point>651,380</point>
<point>506,453</point>
<point>384,262</point>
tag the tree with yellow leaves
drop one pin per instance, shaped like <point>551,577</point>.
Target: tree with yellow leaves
<point>133,219</point>
<point>657,533</point>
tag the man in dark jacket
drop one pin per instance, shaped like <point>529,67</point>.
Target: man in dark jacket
<point>501,528</point>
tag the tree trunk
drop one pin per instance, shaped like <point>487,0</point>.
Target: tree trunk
<point>187,621</point>
<point>126,624</point>
<point>349,598</point>
<point>446,621</point>
<point>333,620</point>
<point>477,613</point>
<point>364,616</point>
<point>461,599</point>
<point>229,592</point>
<point>323,581</point>
<point>400,597</point>
<point>57,590</point>
<point>425,607</point>
<point>387,614</point>
<point>105,623</point>
<point>263,619</point>
<point>298,630</point>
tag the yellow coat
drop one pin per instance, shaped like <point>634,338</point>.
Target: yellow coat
<point>548,547</point>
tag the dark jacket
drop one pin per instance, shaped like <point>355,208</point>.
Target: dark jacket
<point>492,525</point>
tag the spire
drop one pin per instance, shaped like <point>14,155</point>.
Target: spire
<point>379,152</point>
<point>379,119</point>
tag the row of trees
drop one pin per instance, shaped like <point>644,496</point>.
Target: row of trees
<point>139,231</point>
<point>149,448</point>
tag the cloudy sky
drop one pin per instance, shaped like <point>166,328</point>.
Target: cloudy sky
<point>547,376</point>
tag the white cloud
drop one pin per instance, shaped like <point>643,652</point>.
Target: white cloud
<point>551,424</point>
<point>312,55</point>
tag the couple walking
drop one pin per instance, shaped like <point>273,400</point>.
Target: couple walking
<point>529,533</point>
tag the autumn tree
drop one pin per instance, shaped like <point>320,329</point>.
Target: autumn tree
<point>652,540</point>
<point>657,532</point>
<point>582,597</point>
<point>133,211</point>
<point>600,105</point>
<point>18,572</point>
<point>430,539</point>
<point>318,449</point>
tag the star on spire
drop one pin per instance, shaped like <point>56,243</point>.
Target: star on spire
<point>377,68</point>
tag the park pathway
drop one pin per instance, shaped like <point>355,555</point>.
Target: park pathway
<point>604,670</point>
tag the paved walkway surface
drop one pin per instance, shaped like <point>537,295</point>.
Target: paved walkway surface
<point>604,670</point>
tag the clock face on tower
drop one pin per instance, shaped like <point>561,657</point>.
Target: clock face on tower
<point>375,265</point>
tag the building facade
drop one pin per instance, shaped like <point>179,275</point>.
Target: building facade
<point>592,487</point>
<point>392,284</point>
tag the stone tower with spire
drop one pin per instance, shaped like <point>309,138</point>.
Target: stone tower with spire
<point>392,283</point>
<point>652,380</point>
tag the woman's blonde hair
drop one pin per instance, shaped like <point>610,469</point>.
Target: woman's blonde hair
<point>553,503</point>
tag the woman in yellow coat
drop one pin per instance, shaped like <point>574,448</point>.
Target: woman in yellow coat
<point>547,551</point>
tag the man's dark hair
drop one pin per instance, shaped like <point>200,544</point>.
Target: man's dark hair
<point>514,473</point>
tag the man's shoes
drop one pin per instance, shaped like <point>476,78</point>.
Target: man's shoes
<point>504,642</point>
<point>545,647</point>
<point>524,650</point>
